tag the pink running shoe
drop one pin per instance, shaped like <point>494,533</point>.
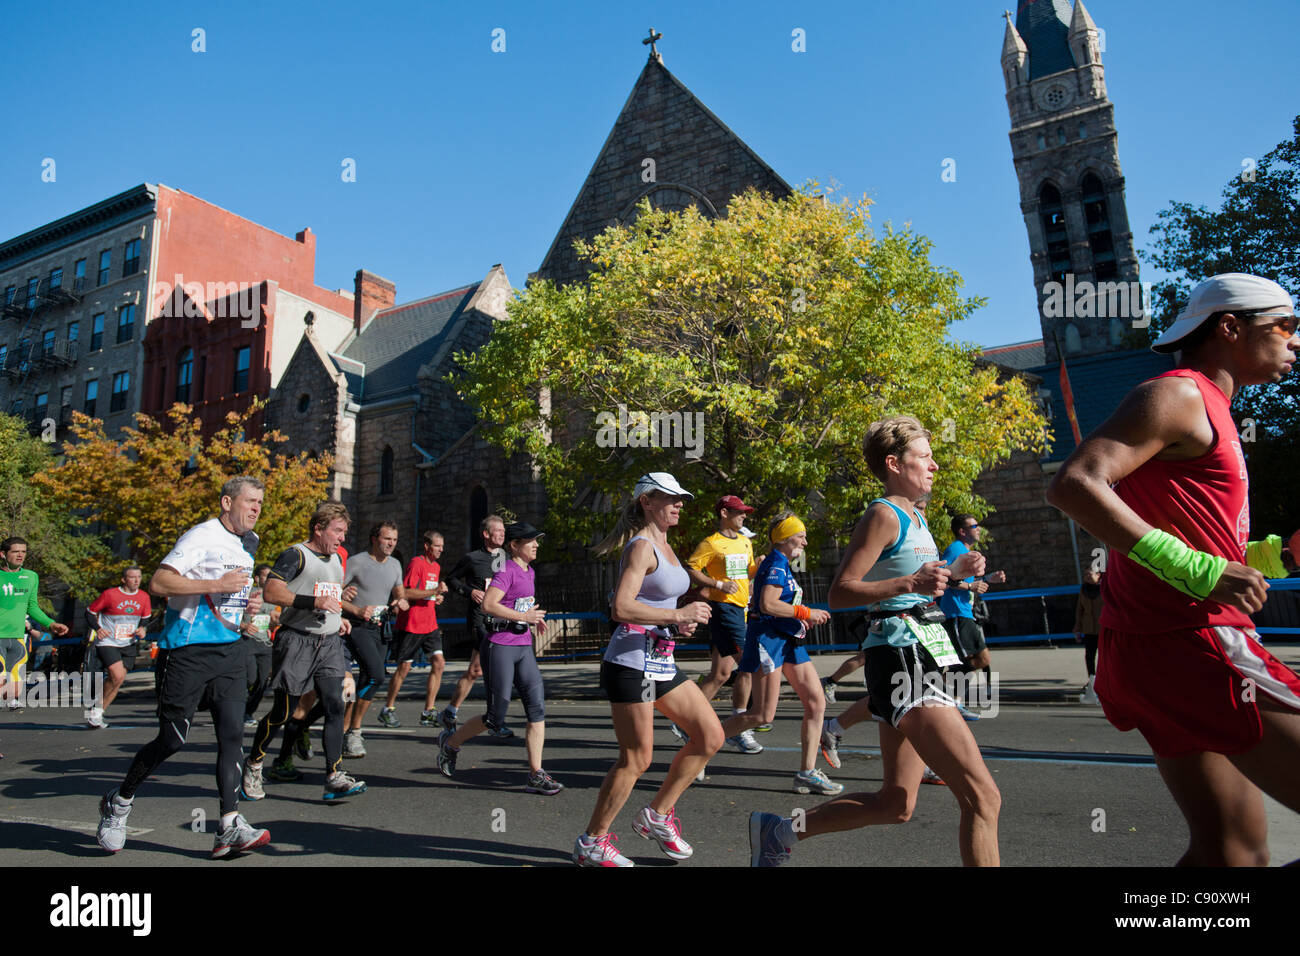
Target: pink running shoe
<point>599,852</point>
<point>668,833</point>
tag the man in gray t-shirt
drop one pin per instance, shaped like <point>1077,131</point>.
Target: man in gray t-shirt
<point>378,579</point>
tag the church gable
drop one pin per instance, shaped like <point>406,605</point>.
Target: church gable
<point>665,145</point>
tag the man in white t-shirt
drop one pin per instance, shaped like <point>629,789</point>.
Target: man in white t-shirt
<point>207,579</point>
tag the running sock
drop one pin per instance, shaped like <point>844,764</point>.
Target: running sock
<point>227,820</point>
<point>737,711</point>
<point>656,817</point>
<point>121,801</point>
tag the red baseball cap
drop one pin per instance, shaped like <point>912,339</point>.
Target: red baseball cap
<point>732,503</point>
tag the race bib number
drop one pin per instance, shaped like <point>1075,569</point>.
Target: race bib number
<point>123,632</point>
<point>525,604</point>
<point>737,566</point>
<point>659,663</point>
<point>261,622</point>
<point>934,638</point>
<point>798,594</point>
<point>328,589</point>
<point>430,582</point>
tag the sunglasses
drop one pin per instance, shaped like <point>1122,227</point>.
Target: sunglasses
<point>1283,323</point>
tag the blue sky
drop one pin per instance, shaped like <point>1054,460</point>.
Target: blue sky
<point>466,157</point>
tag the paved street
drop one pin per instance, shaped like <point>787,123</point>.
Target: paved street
<point>1057,764</point>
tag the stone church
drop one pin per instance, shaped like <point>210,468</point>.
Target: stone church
<point>407,449</point>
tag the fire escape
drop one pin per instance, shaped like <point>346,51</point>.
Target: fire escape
<point>29,357</point>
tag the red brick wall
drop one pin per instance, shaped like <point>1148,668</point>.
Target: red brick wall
<point>206,244</point>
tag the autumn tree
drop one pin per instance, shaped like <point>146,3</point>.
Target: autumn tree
<point>760,346</point>
<point>1256,229</point>
<point>57,552</point>
<point>161,478</point>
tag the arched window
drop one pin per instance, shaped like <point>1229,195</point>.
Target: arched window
<point>478,510</point>
<point>1116,332</point>
<point>1042,141</point>
<point>386,472</point>
<point>1097,218</point>
<point>1058,243</point>
<point>1060,135</point>
<point>184,375</point>
<point>1072,341</point>
<point>1083,130</point>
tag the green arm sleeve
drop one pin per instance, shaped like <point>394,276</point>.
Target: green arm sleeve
<point>1266,556</point>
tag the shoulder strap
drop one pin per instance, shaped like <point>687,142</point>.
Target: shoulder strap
<point>904,523</point>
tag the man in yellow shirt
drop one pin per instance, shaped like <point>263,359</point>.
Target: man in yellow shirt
<point>723,565</point>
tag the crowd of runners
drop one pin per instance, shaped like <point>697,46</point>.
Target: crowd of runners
<point>1162,483</point>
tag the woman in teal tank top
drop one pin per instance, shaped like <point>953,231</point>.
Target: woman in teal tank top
<point>892,565</point>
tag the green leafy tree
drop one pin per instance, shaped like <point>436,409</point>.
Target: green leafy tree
<point>160,479</point>
<point>1256,229</point>
<point>57,552</point>
<point>786,326</point>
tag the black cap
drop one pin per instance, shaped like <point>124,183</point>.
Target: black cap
<point>522,530</point>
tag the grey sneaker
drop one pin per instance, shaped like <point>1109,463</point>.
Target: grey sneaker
<point>543,782</point>
<point>745,743</point>
<point>503,732</point>
<point>252,786</point>
<point>828,689</point>
<point>340,785</point>
<point>111,834</point>
<point>429,718</point>
<point>830,746</point>
<point>353,745</point>
<point>388,717</point>
<point>448,720</point>
<point>814,781</point>
<point>238,837</point>
<point>446,756</point>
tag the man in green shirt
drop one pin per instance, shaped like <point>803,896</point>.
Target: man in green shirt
<point>18,588</point>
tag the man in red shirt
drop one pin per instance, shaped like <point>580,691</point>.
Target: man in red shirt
<point>418,627</point>
<point>116,622</point>
<point>1163,483</point>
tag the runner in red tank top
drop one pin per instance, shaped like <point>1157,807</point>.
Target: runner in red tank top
<point>1163,483</point>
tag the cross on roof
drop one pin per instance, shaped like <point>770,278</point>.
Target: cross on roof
<point>650,42</point>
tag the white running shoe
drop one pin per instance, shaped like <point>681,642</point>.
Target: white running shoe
<point>1089,695</point>
<point>814,781</point>
<point>353,744</point>
<point>598,852</point>
<point>252,783</point>
<point>745,743</point>
<point>111,834</point>
<point>828,689</point>
<point>830,746</point>
<point>668,833</point>
<point>239,837</point>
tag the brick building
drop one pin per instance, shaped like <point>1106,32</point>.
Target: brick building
<point>150,297</point>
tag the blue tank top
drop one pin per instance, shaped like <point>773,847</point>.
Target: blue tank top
<point>912,548</point>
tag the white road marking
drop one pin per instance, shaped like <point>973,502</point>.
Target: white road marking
<point>69,825</point>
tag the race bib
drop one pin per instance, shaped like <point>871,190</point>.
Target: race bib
<point>934,638</point>
<point>737,566</point>
<point>659,663</point>
<point>261,622</point>
<point>798,593</point>
<point>328,589</point>
<point>430,582</point>
<point>123,632</point>
<point>525,604</point>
